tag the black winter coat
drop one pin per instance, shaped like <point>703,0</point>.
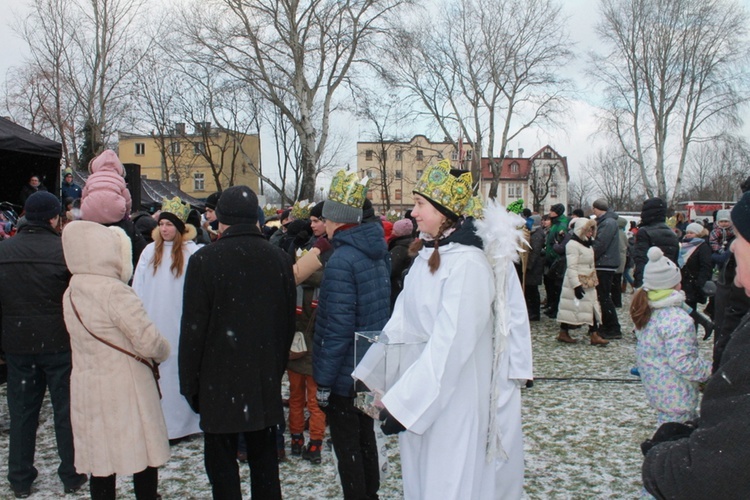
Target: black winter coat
<point>713,461</point>
<point>695,272</point>
<point>535,264</point>
<point>237,326</point>
<point>33,279</point>
<point>398,248</point>
<point>656,234</point>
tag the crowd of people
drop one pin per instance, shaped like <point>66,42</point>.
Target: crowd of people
<point>148,329</point>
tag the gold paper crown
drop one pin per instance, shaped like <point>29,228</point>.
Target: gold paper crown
<point>348,189</point>
<point>177,207</point>
<point>438,184</point>
<point>474,208</point>
<point>270,210</point>
<point>301,209</point>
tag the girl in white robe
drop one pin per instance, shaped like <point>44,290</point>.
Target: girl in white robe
<point>158,280</point>
<point>442,403</point>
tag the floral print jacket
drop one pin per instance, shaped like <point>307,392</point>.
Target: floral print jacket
<point>669,360</point>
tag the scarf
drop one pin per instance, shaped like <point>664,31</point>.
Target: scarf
<point>687,247</point>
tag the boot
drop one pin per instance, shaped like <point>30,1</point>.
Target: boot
<point>704,321</point>
<point>564,336</point>
<point>298,443</point>
<point>597,340</point>
<point>624,287</point>
<point>312,451</point>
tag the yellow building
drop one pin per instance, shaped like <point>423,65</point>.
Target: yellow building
<point>193,161</point>
<point>395,167</point>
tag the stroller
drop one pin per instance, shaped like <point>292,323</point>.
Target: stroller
<point>8,219</point>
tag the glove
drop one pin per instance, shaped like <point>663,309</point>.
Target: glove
<point>671,431</point>
<point>322,395</point>
<point>389,424</point>
<point>322,244</point>
<point>579,292</point>
<point>192,400</point>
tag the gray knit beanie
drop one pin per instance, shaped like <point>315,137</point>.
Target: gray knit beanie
<point>339,212</point>
<point>660,273</point>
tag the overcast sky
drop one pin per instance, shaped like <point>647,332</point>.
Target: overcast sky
<point>576,140</point>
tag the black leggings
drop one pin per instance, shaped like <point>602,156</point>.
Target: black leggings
<point>145,484</point>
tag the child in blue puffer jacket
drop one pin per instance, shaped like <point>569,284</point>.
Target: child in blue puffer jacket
<point>667,353</point>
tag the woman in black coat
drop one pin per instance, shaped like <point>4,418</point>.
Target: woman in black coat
<point>695,262</point>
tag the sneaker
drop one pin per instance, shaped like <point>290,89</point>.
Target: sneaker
<point>22,493</point>
<point>298,443</point>
<point>312,451</point>
<point>77,485</point>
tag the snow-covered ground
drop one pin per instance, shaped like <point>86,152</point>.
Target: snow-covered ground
<point>583,421</point>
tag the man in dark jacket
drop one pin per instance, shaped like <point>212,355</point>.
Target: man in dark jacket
<point>534,268</point>
<point>653,232</point>
<point>68,188</point>
<point>709,458</point>
<point>33,278</point>
<point>607,259</point>
<point>554,261</point>
<point>354,296</point>
<point>238,322</point>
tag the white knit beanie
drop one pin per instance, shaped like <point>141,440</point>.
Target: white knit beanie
<point>695,228</point>
<point>660,273</point>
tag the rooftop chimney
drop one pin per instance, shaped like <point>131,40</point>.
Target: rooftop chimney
<point>520,152</point>
<point>509,154</point>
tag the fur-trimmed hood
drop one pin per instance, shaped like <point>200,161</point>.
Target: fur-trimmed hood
<point>189,234</point>
<point>581,225</point>
<point>91,248</point>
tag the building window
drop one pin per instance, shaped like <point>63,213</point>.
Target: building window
<point>454,156</point>
<point>514,168</point>
<point>140,148</point>
<point>173,178</point>
<point>398,175</point>
<point>420,155</point>
<point>174,148</point>
<point>398,195</point>
<point>199,181</point>
<point>199,148</point>
<point>469,155</point>
<point>553,190</point>
<point>514,190</point>
<point>548,154</point>
<point>368,155</point>
<point>385,156</point>
<point>419,174</point>
<point>399,155</point>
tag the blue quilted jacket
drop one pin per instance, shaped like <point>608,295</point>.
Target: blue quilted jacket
<point>354,296</point>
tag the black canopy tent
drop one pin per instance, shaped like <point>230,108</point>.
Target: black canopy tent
<point>23,154</point>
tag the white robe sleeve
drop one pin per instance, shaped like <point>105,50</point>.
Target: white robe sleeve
<point>519,337</point>
<point>427,387</point>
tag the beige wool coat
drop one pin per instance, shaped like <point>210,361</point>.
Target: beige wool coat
<point>580,261</point>
<point>118,425</point>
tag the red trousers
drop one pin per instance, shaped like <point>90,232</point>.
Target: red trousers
<point>302,390</point>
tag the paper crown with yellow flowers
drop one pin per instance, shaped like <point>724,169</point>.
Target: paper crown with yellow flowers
<point>348,189</point>
<point>443,188</point>
<point>346,198</point>
<point>474,208</point>
<point>301,209</point>
<point>177,207</point>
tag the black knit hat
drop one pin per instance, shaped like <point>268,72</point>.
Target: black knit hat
<point>42,206</point>
<point>317,210</point>
<point>558,208</point>
<point>179,224</point>
<point>653,210</point>
<point>741,216</point>
<point>212,200</point>
<point>237,205</point>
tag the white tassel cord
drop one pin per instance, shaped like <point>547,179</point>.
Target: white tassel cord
<point>503,238</point>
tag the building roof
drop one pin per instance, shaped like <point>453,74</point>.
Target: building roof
<point>524,165</point>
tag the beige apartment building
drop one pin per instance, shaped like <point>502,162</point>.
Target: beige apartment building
<point>395,167</point>
<point>194,160</point>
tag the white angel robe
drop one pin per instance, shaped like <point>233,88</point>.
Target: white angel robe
<point>161,294</point>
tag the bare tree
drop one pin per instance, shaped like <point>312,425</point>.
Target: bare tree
<point>290,52</point>
<point>487,72</point>
<point>579,191</point>
<point>542,179</point>
<point>674,73</point>
<point>615,176</point>
<point>80,54</point>
<point>715,171</point>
